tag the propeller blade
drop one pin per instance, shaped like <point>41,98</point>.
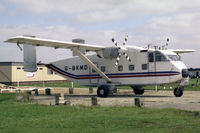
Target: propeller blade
<point>167,43</point>
<point>125,40</point>
<point>127,57</point>
<point>117,60</point>
<point>115,42</point>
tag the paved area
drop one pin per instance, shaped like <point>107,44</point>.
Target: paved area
<point>150,99</point>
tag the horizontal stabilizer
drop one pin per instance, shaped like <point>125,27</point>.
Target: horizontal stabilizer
<point>181,51</point>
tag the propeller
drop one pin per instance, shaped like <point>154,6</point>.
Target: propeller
<point>121,50</point>
<point>164,47</point>
<point>167,43</point>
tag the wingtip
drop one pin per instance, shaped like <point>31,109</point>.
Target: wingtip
<point>7,41</point>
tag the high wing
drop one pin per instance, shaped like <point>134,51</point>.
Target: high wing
<point>181,51</point>
<point>52,43</point>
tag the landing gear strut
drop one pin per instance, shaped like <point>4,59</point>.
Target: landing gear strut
<point>178,92</point>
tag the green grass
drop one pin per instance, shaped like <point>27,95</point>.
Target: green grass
<point>68,84</point>
<point>23,117</point>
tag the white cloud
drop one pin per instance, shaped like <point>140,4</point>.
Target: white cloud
<point>1,7</point>
<point>182,29</point>
<point>98,38</point>
<point>177,19</point>
<point>92,11</point>
<point>181,23</point>
<point>181,26</point>
<point>63,6</point>
<point>100,16</point>
<point>11,52</point>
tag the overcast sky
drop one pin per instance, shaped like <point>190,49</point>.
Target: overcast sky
<point>97,21</point>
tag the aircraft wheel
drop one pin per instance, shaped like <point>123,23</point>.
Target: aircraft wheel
<point>138,91</point>
<point>102,91</point>
<point>178,92</point>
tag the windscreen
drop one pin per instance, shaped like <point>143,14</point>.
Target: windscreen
<point>174,57</point>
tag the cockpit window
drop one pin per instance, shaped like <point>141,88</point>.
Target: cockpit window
<point>174,57</point>
<point>159,56</point>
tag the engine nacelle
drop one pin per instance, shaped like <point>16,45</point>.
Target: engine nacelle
<point>110,52</point>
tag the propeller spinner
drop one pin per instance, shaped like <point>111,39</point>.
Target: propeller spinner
<point>121,50</point>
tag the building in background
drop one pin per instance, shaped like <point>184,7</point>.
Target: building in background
<point>13,73</point>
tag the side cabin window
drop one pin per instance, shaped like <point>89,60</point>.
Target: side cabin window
<point>103,68</point>
<point>151,57</point>
<point>159,56</point>
<point>66,68</point>
<point>144,66</point>
<point>174,57</point>
<point>93,71</point>
<point>120,68</point>
<point>131,67</point>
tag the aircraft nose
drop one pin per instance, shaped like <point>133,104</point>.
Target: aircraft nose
<point>185,73</point>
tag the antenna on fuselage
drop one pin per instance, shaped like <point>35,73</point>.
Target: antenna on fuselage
<point>163,47</point>
<point>148,46</point>
<point>155,47</point>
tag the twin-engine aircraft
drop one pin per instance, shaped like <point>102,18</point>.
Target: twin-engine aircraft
<point>113,66</point>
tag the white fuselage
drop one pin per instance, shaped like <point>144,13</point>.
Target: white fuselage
<point>140,71</point>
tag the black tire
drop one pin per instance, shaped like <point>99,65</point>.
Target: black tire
<point>102,91</point>
<point>138,91</point>
<point>178,92</point>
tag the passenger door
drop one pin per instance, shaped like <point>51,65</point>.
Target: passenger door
<point>152,66</point>
<point>151,62</point>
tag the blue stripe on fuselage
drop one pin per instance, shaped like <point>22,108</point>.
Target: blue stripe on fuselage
<point>114,74</point>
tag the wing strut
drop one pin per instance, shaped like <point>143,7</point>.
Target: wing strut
<point>93,66</point>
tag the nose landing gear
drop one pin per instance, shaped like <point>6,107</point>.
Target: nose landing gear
<point>178,92</point>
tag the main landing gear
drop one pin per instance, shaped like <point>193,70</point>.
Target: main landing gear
<point>105,90</point>
<point>138,90</point>
<point>178,92</point>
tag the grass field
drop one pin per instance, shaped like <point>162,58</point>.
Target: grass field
<point>21,117</point>
<point>191,86</point>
